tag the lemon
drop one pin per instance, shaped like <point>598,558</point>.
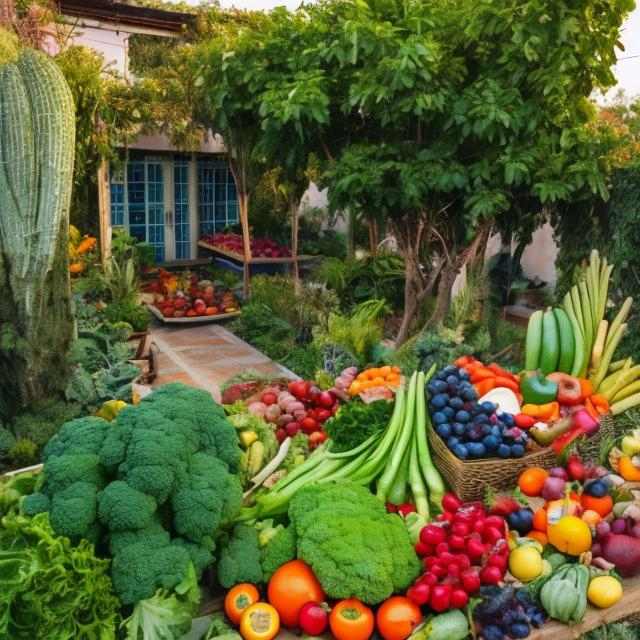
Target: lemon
<point>604,591</point>
<point>525,563</point>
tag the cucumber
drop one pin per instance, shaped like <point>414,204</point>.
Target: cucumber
<point>550,343</point>
<point>567,341</point>
<point>534,341</point>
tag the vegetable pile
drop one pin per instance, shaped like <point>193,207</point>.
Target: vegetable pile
<point>186,296</point>
<point>260,247</point>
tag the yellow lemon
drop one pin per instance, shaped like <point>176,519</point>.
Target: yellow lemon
<point>525,563</point>
<point>604,591</point>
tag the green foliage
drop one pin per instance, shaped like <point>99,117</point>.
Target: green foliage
<point>54,589</point>
<point>356,421</point>
<point>23,453</point>
<point>615,631</point>
<point>355,548</point>
<point>13,488</point>
<point>129,311</point>
<point>7,440</point>
<point>153,486</point>
<point>44,419</point>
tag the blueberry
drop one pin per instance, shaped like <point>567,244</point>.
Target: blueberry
<point>463,416</point>
<point>517,450</point>
<point>495,431</point>
<point>460,451</point>
<point>523,597</point>
<point>596,488</point>
<point>450,370</point>
<point>439,401</point>
<point>437,386</point>
<point>481,419</point>
<point>519,630</point>
<point>444,430</point>
<point>462,374</point>
<point>476,450</point>
<point>475,432</point>
<point>507,418</point>
<point>491,442</point>
<point>492,632</point>
<point>469,395</point>
<point>448,411</point>
<point>488,407</point>
<point>439,417</point>
<point>508,617</point>
<point>452,379</point>
<point>452,442</point>
<point>537,620</point>
<point>458,428</point>
<point>486,429</point>
<point>504,451</point>
<point>441,375</point>
<point>456,403</point>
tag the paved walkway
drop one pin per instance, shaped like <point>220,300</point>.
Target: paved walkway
<point>205,356</point>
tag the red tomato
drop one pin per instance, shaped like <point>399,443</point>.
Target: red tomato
<point>297,388</point>
<point>309,425</point>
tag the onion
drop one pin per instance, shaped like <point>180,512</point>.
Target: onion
<point>558,472</point>
<point>284,419</point>
<point>272,413</point>
<point>619,526</point>
<point>258,408</point>
<point>553,488</point>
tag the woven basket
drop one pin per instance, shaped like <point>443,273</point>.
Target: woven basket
<point>469,479</point>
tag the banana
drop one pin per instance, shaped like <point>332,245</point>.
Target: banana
<point>567,341</point>
<point>534,341</point>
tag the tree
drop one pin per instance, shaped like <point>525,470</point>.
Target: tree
<point>442,117</point>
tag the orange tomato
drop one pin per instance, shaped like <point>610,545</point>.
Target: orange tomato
<point>539,536</point>
<point>260,621</point>
<point>540,520</point>
<point>290,588</point>
<point>602,506</point>
<point>238,599</point>
<point>531,481</point>
<point>393,377</point>
<point>397,617</point>
<point>351,620</point>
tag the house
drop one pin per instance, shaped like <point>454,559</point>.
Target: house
<point>160,195</point>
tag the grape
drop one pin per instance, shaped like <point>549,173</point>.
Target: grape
<point>519,630</point>
<point>458,428</point>
<point>517,450</point>
<point>523,596</point>
<point>492,632</point>
<point>460,451</point>
<point>456,403</point>
<point>449,412</point>
<point>504,451</point>
<point>443,430</point>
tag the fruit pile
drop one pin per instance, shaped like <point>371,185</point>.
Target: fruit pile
<point>260,247</point>
<point>464,549</point>
<point>470,429</point>
<point>507,613</point>
<point>387,377</point>
<point>300,406</point>
<point>186,296</point>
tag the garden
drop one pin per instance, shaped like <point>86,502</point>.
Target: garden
<point>424,466</point>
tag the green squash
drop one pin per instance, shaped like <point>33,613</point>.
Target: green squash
<point>560,598</point>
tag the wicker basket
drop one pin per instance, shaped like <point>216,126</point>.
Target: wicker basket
<point>469,479</point>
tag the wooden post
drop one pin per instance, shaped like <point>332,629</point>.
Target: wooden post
<point>104,211</point>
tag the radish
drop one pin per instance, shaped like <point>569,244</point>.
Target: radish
<point>624,552</point>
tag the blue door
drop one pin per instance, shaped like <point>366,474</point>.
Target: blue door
<point>137,202</point>
<point>181,208</point>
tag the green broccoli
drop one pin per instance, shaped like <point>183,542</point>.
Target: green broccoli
<point>153,486</point>
<point>240,558</point>
<point>355,548</point>
<point>279,549</point>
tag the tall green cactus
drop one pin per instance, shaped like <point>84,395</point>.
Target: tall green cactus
<point>37,138</point>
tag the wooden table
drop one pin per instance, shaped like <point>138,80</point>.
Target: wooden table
<point>232,255</point>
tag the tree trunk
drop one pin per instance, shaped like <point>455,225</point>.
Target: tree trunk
<point>243,206</point>
<point>351,234</point>
<point>373,236</point>
<point>294,208</point>
<point>443,299</point>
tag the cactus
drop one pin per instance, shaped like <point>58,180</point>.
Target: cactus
<point>37,140</point>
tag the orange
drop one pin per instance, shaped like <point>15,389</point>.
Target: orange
<point>532,480</point>
<point>540,520</point>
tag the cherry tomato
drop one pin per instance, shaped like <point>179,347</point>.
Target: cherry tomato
<point>290,588</point>
<point>316,438</point>
<point>238,599</point>
<point>351,620</point>
<point>397,617</point>
<point>260,621</point>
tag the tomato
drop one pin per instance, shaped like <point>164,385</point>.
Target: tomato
<point>260,621</point>
<point>309,425</point>
<point>351,620</point>
<point>238,599</point>
<point>290,588</point>
<point>298,389</point>
<point>316,438</point>
<point>269,398</point>
<point>397,617</point>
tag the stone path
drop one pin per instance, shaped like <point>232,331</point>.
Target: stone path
<point>205,356</point>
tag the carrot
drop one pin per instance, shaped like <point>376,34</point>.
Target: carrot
<point>462,361</point>
<point>600,403</point>
<point>499,371</point>
<point>501,381</point>
<point>478,375</point>
<point>484,386</point>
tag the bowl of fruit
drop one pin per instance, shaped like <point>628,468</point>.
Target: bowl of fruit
<point>185,298</point>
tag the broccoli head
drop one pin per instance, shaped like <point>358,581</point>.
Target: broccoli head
<point>73,511</point>
<point>279,549</point>
<point>240,558</point>
<point>355,548</point>
<point>122,508</point>
<point>82,435</point>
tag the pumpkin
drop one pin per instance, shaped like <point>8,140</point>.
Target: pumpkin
<point>570,535</point>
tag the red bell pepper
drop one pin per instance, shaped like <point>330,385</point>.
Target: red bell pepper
<point>569,388</point>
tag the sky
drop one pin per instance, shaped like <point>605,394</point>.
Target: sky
<point>627,71</point>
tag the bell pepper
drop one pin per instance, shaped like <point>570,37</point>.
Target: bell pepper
<point>536,389</point>
<point>597,405</point>
<point>586,386</point>
<point>569,388</point>
<point>523,420</point>
<point>583,424</point>
<point>484,386</point>
<point>549,412</point>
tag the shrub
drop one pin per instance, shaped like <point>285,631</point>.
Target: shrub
<point>130,311</point>
<point>23,453</point>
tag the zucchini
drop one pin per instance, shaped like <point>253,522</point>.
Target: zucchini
<point>534,341</point>
<point>550,343</point>
<point>567,341</point>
